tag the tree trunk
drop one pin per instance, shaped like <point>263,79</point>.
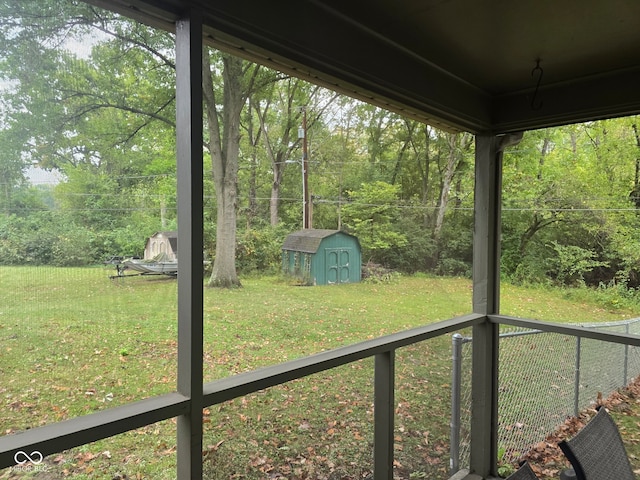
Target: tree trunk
<point>534,227</point>
<point>635,191</point>
<point>455,155</point>
<point>543,153</point>
<point>254,138</point>
<point>225,148</point>
<point>274,201</point>
<point>458,144</point>
<point>277,163</point>
<point>163,213</point>
<point>224,266</point>
<point>424,174</point>
<point>252,211</point>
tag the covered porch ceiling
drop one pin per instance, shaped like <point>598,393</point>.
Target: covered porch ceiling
<point>455,64</point>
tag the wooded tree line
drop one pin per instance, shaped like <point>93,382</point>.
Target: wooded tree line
<point>92,95</point>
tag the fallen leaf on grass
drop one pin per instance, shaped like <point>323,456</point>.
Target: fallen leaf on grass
<point>84,457</point>
<point>433,460</point>
<point>168,451</point>
<point>305,425</point>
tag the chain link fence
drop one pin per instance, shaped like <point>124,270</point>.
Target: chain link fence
<point>544,379</point>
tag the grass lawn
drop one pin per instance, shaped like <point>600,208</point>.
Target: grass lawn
<point>72,342</point>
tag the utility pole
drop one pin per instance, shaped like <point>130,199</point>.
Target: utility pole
<point>302,133</point>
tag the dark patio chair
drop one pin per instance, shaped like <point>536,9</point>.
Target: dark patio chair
<point>596,452</point>
<point>523,473</point>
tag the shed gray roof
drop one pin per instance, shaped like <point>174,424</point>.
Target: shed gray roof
<point>307,241</point>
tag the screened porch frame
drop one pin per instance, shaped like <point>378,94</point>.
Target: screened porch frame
<point>192,394</point>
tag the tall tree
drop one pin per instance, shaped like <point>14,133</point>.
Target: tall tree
<point>459,144</point>
<point>280,142</point>
<point>85,86</point>
<point>223,122</point>
<point>280,115</point>
<point>109,110</point>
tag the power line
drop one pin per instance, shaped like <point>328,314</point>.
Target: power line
<point>338,202</point>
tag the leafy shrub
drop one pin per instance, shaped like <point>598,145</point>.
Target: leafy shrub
<point>126,241</point>
<point>260,250</point>
<point>49,238</point>
<point>376,273</point>
<point>372,216</point>
<point>617,295</point>
<point>74,248</point>
<point>529,271</point>
<point>571,263</point>
<point>10,251</point>
<point>29,240</point>
<point>418,252</point>
<point>453,267</point>
<point>455,249</point>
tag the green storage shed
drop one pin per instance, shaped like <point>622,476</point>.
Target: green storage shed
<point>322,257</point>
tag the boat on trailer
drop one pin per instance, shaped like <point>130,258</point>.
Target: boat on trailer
<point>151,267</point>
<point>158,265</point>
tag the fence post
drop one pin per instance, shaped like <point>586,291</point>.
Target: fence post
<point>456,381</point>
<point>576,387</point>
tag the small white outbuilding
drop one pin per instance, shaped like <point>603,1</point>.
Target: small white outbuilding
<point>165,243</point>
